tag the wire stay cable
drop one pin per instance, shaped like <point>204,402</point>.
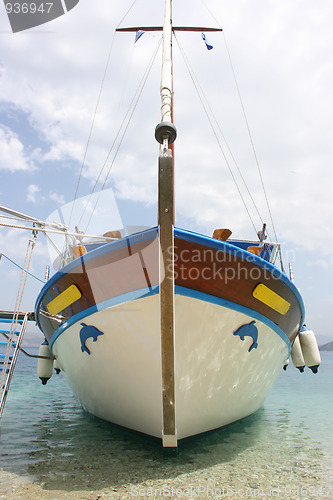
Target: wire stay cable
<point>20,267</point>
<point>202,99</point>
<point>124,125</point>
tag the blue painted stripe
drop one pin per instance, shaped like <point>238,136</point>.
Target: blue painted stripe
<point>146,292</point>
<point>187,292</point>
<point>7,320</point>
<point>126,297</point>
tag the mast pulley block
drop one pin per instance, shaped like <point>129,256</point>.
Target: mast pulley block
<point>165,130</point>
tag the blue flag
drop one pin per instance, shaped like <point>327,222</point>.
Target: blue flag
<point>208,45</point>
<point>138,34</point>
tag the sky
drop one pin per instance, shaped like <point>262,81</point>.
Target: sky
<point>281,66</point>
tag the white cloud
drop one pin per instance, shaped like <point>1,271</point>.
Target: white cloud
<point>12,154</point>
<point>32,193</point>
<point>14,244</point>
<point>58,198</point>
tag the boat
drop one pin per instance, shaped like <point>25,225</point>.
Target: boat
<point>166,331</point>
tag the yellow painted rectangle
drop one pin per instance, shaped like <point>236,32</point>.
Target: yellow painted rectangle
<point>63,300</point>
<point>271,299</point>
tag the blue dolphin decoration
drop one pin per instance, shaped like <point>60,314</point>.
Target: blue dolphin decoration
<point>248,330</point>
<point>86,332</point>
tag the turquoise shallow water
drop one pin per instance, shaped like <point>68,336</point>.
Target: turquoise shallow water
<point>284,450</point>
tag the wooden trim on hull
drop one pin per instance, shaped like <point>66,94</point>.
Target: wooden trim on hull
<point>208,266</point>
<point>108,272</point>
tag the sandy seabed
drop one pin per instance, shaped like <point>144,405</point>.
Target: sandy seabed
<point>257,472</point>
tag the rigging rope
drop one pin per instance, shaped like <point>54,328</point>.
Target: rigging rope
<point>129,10</point>
<point>197,88</point>
<point>91,128</point>
<point>212,14</point>
<point>254,150</point>
<point>250,135</point>
<point>95,114</point>
<point>54,231</point>
<point>19,297</point>
<point>125,123</point>
<point>234,160</point>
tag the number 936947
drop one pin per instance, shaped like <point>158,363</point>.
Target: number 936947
<point>28,7</point>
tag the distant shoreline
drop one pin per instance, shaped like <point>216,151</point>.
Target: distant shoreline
<point>326,347</point>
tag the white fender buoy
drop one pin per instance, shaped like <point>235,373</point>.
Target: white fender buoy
<point>297,355</point>
<point>310,348</point>
<point>56,366</point>
<point>44,365</point>
<point>286,363</point>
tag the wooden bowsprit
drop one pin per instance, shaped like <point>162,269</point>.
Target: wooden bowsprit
<point>167,286</point>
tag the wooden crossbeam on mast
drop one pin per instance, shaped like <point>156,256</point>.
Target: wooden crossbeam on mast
<point>134,29</point>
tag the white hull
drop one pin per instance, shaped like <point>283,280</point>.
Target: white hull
<point>217,379</point>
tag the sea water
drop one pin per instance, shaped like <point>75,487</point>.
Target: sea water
<point>51,448</point>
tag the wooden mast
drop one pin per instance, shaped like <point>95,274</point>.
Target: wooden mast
<point>165,134</point>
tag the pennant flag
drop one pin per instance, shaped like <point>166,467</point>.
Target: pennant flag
<point>208,45</point>
<point>138,34</point>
